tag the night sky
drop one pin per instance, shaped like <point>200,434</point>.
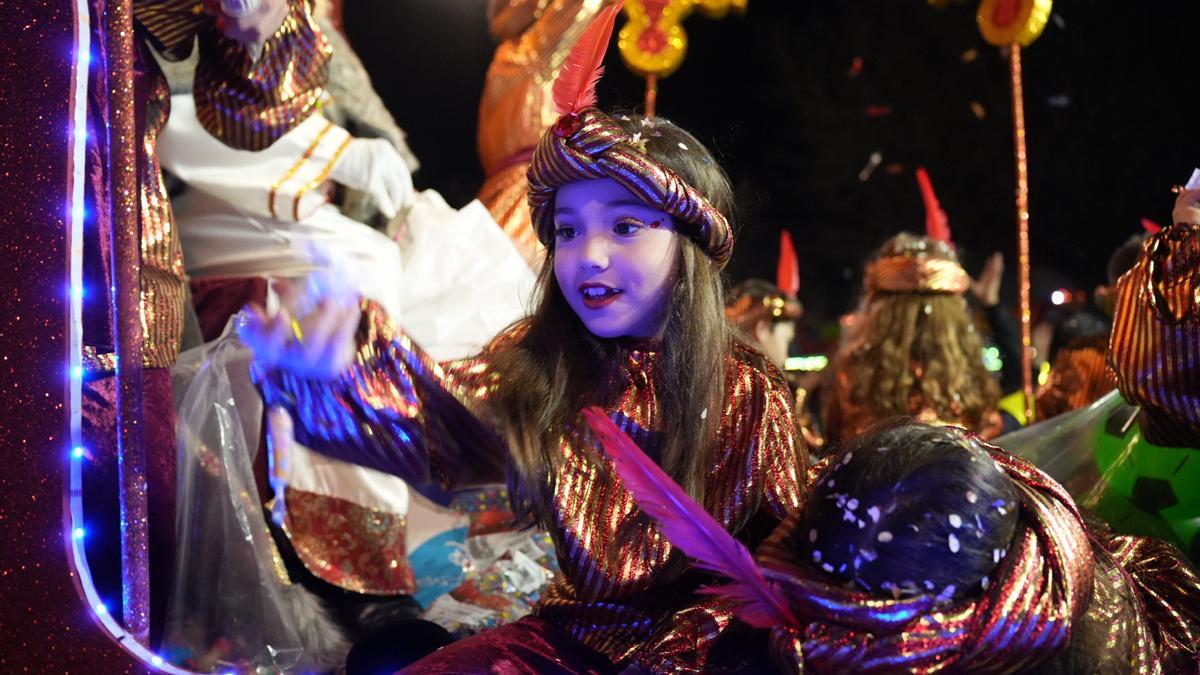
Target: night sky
<point>1108,88</point>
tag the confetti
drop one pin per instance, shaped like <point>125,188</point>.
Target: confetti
<point>812,535</point>
<point>969,56</point>
<point>972,497</point>
<point>873,512</point>
<point>864,175</point>
<point>884,536</point>
<point>955,521</point>
<point>877,110</point>
<point>978,110</point>
<point>954,545</point>
<point>856,66</point>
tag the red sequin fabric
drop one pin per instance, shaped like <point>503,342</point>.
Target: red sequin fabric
<point>623,591</point>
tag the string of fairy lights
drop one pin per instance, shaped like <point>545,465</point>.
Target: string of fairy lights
<point>75,526</point>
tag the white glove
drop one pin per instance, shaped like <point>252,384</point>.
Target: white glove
<point>374,166</point>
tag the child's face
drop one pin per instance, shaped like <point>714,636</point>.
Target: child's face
<point>614,258</point>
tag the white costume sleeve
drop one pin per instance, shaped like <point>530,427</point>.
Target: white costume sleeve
<point>282,182</point>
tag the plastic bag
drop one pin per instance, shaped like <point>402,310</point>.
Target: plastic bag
<point>1101,456</point>
<point>232,606</point>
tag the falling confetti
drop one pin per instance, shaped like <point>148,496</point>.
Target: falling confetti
<point>978,109</point>
<point>872,163</point>
<point>879,110</point>
<point>969,56</point>
<point>856,66</point>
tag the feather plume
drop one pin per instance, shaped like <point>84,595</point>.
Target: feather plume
<point>575,86</point>
<point>787,273</point>
<point>937,226</point>
<point>687,525</point>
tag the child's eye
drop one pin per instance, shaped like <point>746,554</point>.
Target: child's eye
<point>627,227</point>
<point>564,233</point>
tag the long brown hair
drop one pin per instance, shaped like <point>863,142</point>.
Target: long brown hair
<point>917,345</point>
<point>557,366</point>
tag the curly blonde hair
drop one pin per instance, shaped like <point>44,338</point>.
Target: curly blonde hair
<point>912,354</point>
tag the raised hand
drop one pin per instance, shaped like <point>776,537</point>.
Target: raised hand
<point>317,344</point>
<point>1187,207</point>
<point>986,288</point>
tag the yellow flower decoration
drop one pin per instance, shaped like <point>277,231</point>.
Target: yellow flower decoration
<point>1006,22</point>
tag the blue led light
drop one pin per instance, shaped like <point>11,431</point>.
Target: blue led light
<point>77,372</point>
<point>77,453</point>
<point>78,533</point>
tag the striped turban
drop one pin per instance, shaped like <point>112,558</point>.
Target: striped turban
<point>590,145</point>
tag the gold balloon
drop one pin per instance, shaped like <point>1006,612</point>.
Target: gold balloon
<point>1006,22</point>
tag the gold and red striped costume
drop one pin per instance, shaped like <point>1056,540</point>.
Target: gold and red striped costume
<point>625,596</point>
<point>535,37</point>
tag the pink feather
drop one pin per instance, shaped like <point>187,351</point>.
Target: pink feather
<point>687,525</point>
<point>575,86</point>
<point>937,226</point>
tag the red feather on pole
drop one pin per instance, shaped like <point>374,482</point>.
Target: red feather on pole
<point>787,274</point>
<point>575,86</point>
<point>688,526</point>
<point>937,226</point>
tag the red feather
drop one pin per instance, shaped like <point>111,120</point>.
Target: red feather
<point>1150,226</point>
<point>575,86</point>
<point>687,525</point>
<point>937,226</point>
<point>787,274</point>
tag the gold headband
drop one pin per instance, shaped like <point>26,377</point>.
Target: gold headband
<point>916,274</point>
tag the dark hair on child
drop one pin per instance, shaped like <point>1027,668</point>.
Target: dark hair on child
<point>909,509</point>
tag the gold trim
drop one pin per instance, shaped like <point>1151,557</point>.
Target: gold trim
<point>320,177</point>
<point>97,364</point>
<point>296,167</point>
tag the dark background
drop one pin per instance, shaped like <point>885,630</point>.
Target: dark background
<point>1108,88</point>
